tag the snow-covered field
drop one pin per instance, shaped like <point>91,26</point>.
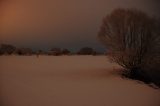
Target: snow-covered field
<point>69,81</point>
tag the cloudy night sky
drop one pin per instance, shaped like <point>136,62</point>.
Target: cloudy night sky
<point>68,24</point>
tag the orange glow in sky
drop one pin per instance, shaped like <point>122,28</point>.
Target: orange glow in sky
<point>49,22</point>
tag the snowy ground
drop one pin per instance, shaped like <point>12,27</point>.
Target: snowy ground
<point>69,81</point>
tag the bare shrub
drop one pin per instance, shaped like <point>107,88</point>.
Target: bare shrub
<point>132,39</point>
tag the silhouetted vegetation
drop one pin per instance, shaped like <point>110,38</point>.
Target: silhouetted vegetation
<point>23,51</point>
<point>41,52</point>
<point>132,39</point>
<point>86,51</point>
<point>66,52</point>
<point>6,49</point>
<point>55,52</point>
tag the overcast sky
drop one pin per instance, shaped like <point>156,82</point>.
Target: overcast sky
<point>60,23</point>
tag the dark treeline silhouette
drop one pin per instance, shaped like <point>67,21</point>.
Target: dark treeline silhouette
<point>7,49</point>
<point>132,39</point>
<point>55,51</point>
<point>59,51</point>
<point>87,51</point>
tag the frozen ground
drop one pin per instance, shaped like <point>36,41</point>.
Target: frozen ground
<point>69,81</point>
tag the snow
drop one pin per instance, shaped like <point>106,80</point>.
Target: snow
<point>69,81</point>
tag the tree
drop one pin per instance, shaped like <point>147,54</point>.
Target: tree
<point>66,52</point>
<point>7,49</point>
<point>86,51</point>
<point>24,51</point>
<point>55,51</point>
<point>132,39</point>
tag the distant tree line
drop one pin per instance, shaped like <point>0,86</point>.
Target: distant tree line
<point>7,49</point>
